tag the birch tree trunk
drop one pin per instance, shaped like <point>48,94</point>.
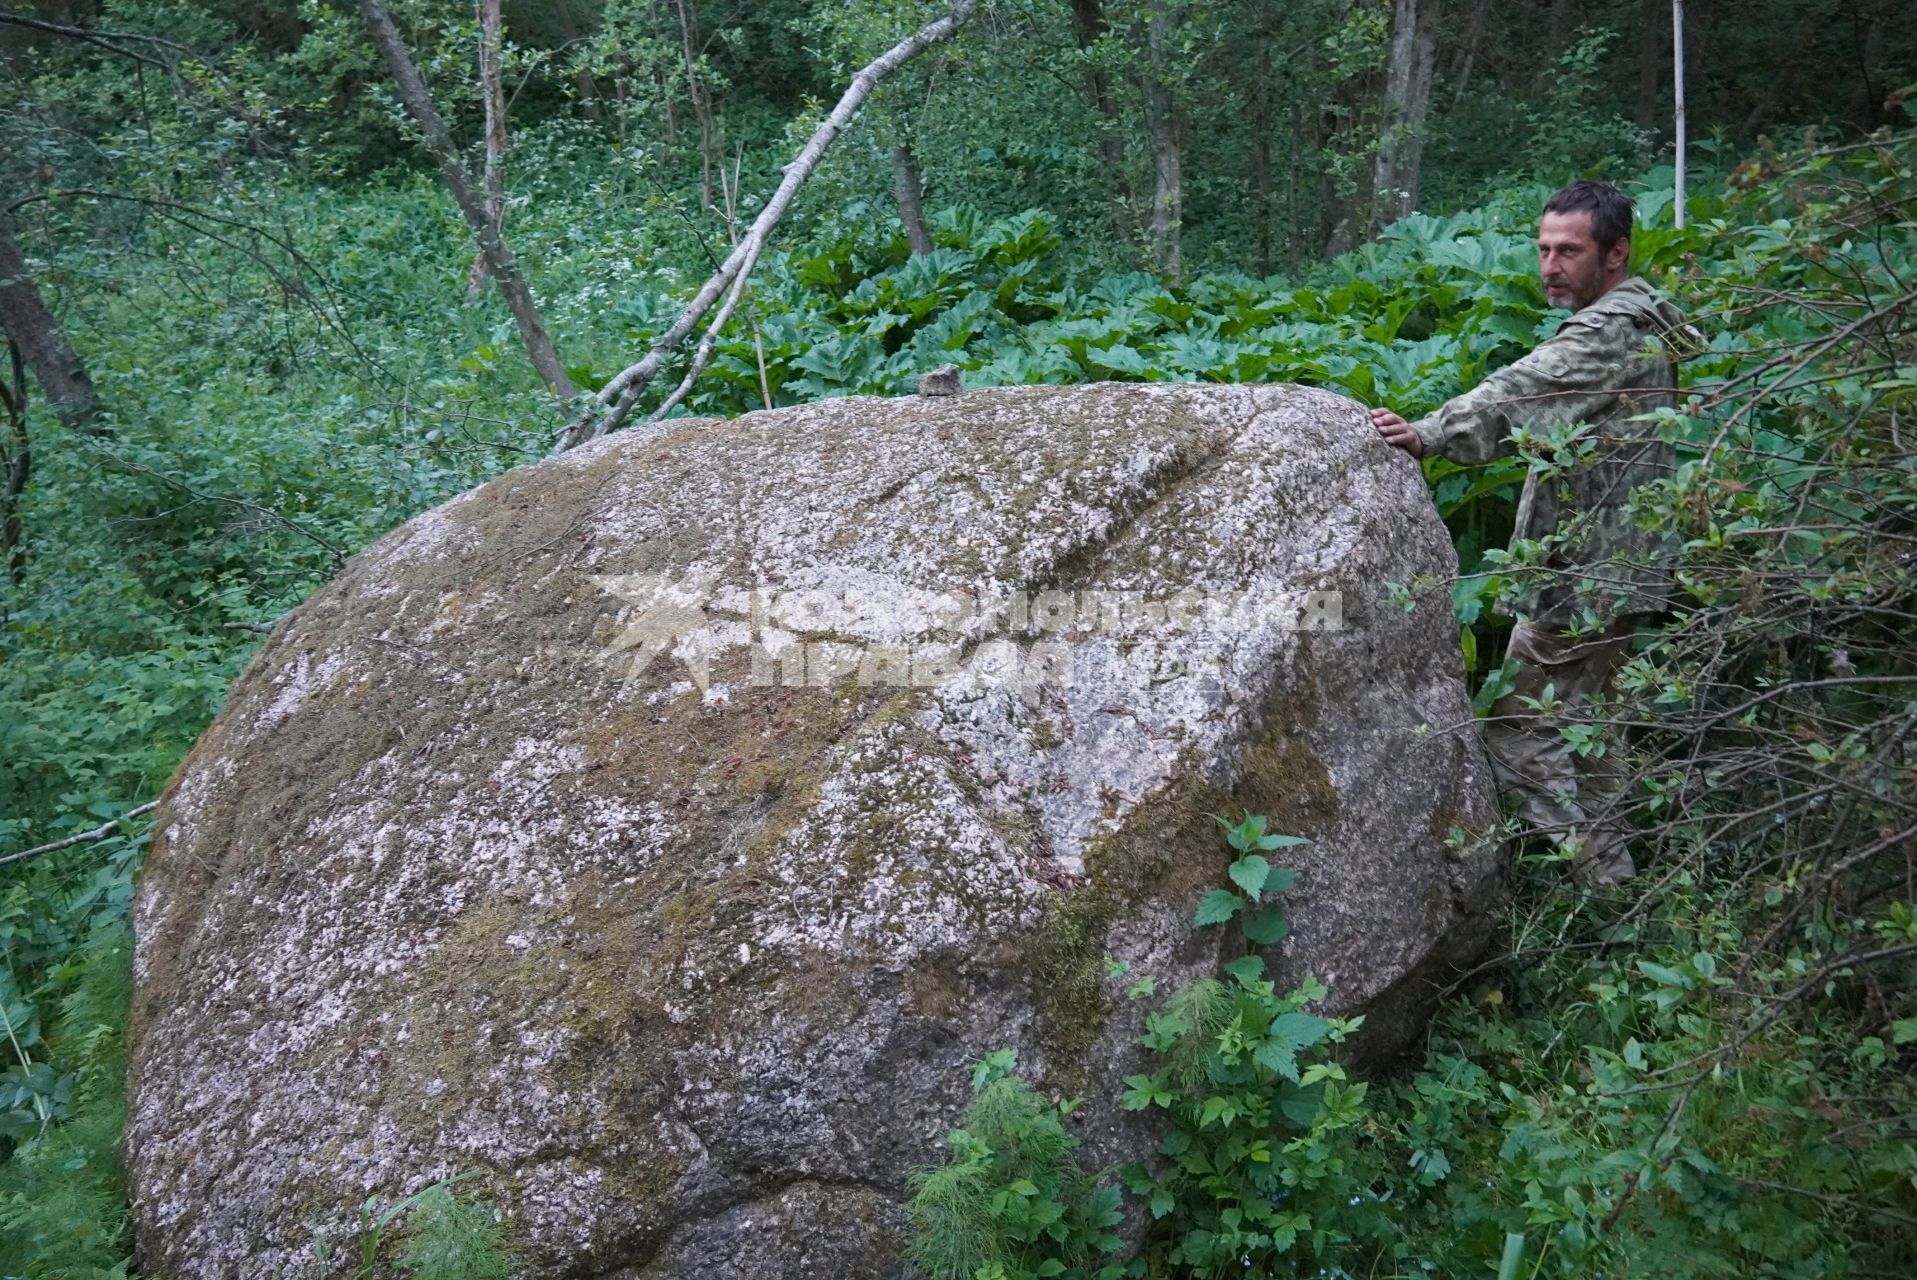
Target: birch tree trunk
<point>1161,126</point>
<point>34,332</point>
<point>1394,170</point>
<point>909,190</point>
<point>492,246</point>
<point>614,402</point>
<point>492,92</point>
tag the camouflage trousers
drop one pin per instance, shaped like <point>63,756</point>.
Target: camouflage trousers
<point>1560,792</point>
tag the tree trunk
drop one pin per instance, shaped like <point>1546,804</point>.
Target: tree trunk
<point>1258,145</point>
<point>1342,212</point>
<point>31,328</point>
<point>1394,170</point>
<point>1161,126</point>
<point>16,461</point>
<point>1469,46</point>
<point>909,191</point>
<point>1088,21</point>
<point>1677,96</point>
<point>582,79</point>
<point>1411,160</point>
<point>493,92</point>
<point>701,104</point>
<point>1293,241</point>
<point>492,246</point>
<point>1650,63</point>
<point>1867,33</point>
<point>1259,162</point>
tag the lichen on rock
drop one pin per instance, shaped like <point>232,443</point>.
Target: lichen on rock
<point>659,829</point>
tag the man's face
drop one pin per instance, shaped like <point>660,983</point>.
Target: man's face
<point>1575,274</point>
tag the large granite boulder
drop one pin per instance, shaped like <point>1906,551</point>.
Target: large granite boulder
<point>659,829</point>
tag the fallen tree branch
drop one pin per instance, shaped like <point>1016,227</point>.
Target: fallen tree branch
<point>702,355</point>
<point>98,833</point>
<point>614,402</point>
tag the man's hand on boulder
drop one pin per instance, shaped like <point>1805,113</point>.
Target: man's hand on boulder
<point>1397,431</point>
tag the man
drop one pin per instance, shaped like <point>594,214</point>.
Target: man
<point>1607,364</point>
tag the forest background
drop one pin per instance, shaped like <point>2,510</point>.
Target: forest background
<point>277,343</point>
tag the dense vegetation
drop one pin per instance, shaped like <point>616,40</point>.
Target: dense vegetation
<point>1707,1074</point>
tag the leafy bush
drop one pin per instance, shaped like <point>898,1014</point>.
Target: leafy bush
<point>1257,1174</point>
<point>1254,1166</point>
<point>63,1212</point>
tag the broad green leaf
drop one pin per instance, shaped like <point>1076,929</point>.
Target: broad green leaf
<point>1216,907</point>
<point>1249,873</point>
<point>1267,926</point>
<point>1246,968</point>
<point>1301,1029</point>
<point>1278,1056</point>
<point>1665,974</point>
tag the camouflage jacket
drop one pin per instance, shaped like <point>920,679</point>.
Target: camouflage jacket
<point>1606,364</point>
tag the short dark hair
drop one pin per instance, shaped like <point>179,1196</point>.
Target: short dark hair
<point>1610,210</point>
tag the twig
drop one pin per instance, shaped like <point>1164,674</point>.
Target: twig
<point>1743,1037</point>
<point>102,38</point>
<point>339,557</point>
<point>418,101</point>
<point>98,833</point>
<point>731,191</point>
<point>702,355</point>
<point>1904,1218</point>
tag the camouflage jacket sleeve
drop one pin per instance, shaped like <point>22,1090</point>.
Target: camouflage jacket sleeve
<point>1575,376</point>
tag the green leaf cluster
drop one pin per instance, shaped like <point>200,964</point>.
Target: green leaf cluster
<point>1011,1202</point>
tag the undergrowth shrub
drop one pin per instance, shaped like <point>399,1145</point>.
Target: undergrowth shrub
<point>1012,1202</point>
<point>63,1211</point>
<point>1254,1173</point>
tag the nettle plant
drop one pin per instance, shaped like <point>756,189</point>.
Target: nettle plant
<point>1254,1174</point>
<point>1255,1166</point>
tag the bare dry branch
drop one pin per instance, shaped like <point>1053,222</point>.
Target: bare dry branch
<point>608,409</point>
<point>85,837</point>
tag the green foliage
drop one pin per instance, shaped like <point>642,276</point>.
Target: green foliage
<point>1011,1202</point>
<point>290,370</point>
<point>446,1237</point>
<point>1256,1174</point>
<point>63,1213</point>
<point>1617,1110</point>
